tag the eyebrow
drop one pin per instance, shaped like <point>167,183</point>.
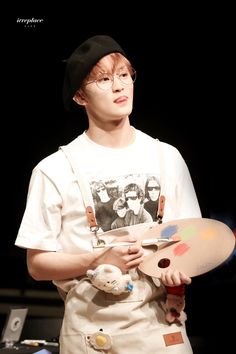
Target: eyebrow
<point>117,69</point>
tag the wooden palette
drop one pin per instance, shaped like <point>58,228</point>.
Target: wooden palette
<point>199,245</point>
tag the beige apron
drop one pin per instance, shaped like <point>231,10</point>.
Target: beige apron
<point>132,322</point>
<point>97,322</point>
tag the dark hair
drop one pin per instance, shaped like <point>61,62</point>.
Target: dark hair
<point>150,178</point>
<point>135,187</point>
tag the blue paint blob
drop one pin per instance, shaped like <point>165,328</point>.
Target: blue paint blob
<point>169,231</point>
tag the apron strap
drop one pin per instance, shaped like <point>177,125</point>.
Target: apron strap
<point>161,204</point>
<point>72,157</point>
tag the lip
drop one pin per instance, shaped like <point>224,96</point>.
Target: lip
<point>121,99</point>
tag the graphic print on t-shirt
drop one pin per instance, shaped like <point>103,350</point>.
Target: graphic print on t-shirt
<point>125,200</point>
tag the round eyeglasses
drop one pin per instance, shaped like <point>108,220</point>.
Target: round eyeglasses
<point>105,80</point>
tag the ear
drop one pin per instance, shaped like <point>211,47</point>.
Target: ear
<point>90,273</point>
<point>108,269</point>
<point>79,99</point>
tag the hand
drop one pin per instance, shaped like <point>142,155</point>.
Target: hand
<point>124,257</point>
<point>173,277</point>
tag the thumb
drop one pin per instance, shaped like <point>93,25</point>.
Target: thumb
<point>185,279</point>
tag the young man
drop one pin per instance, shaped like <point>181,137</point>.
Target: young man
<point>60,229</point>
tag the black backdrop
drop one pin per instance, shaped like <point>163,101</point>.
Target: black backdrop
<point>183,95</point>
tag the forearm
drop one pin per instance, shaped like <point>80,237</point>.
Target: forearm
<point>44,265</point>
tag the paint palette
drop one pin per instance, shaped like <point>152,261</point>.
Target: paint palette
<point>199,245</point>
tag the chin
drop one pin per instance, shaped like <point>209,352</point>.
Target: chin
<point>126,111</point>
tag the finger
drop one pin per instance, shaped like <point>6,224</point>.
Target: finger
<point>171,278</point>
<point>185,279</point>
<point>134,262</point>
<point>166,280</point>
<point>135,248</point>
<point>129,250</point>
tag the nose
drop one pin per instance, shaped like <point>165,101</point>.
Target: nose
<point>117,84</point>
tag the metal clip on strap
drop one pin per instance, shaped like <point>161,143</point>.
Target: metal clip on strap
<point>94,226</point>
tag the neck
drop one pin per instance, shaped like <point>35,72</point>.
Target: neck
<point>114,135</point>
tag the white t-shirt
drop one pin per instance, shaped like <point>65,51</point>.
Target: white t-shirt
<point>55,218</point>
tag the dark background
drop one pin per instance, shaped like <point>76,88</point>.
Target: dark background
<point>183,95</point>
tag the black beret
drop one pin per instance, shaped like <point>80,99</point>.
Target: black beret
<point>82,60</point>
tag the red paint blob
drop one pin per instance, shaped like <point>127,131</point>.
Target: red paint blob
<point>180,249</point>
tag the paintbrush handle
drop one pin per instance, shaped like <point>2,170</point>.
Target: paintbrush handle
<point>147,242</point>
